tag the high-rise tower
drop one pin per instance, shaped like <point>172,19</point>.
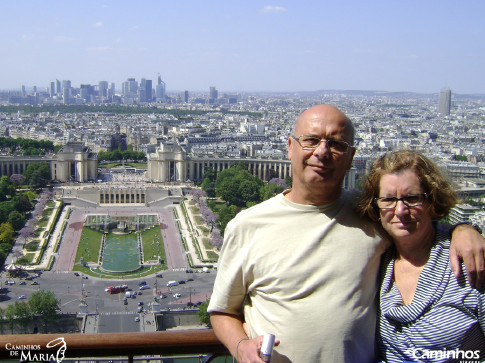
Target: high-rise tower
<point>103,89</point>
<point>160,89</point>
<point>213,93</point>
<point>445,102</point>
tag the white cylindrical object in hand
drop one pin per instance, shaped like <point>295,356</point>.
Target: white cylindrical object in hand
<point>267,347</point>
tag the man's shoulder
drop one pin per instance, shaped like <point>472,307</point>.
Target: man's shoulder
<point>261,208</point>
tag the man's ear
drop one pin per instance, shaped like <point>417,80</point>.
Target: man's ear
<point>290,141</point>
<point>352,154</point>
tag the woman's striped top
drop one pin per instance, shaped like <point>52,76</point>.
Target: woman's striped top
<point>445,322</point>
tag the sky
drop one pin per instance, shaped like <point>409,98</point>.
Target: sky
<point>247,46</point>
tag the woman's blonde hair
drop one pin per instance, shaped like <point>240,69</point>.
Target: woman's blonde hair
<point>441,195</point>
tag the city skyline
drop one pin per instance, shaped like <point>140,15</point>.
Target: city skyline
<point>253,46</point>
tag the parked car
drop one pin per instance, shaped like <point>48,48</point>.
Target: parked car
<point>177,295</point>
<point>144,287</point>
<point>163,296</point>
<point>21,297</point>
<point>142,283</point>
<point>159,275</point>
<point>191,279</point>
<point>137,319</point>
<point>22,283</point>
<point>34,283</point>
<point>182,282</point>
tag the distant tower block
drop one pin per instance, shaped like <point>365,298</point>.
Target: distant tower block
<point>445,102</point>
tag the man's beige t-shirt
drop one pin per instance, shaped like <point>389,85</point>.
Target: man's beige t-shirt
<point>307,274</point>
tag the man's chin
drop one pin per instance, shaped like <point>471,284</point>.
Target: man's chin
<point>320,173</point>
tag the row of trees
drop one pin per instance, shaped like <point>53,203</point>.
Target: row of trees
<point>27,146</point>
<point>118,155</point>
<point>42,303</point>
<point>208,217</point>
<point>15,206</point>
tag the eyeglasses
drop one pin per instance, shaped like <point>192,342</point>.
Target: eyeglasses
<point>311,143</point>
<point>411,200</point>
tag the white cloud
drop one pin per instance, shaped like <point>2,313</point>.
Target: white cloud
<point>99,24</point>
<point>272,9</point>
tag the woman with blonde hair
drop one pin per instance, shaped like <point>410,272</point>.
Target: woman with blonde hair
<point>425,314</point>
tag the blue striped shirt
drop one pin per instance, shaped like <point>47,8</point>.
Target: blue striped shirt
<point>445,322</point>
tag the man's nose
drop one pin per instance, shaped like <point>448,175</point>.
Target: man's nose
<point>322,148</point>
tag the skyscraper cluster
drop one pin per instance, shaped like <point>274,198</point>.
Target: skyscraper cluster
<point>132,92</point>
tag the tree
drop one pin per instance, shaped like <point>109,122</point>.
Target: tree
<point>249,190</point>
<point>44,303</point>
<point>237,186</point>
<point>23,313</point>
<point>225,215</point>
<point>26,232</point>
<point>216,239</point>
<point>209,187</point>
<point>10,316</point>
<point>273,187</point>
<point>5,209</point>
<point>6,233</point>
<point>6,187</point>
<point>2,316</point>
<point>289,181</point>
<point>229,191</point>
<point>21,203</point>
<point>17,179</point>
<point>37,174</point>
<point>204,316</point>
<point>16,219</point>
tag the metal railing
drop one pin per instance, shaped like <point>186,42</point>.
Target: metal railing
<point>150,346</point>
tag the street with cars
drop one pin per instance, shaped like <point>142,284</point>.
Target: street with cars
<point>73,288</point>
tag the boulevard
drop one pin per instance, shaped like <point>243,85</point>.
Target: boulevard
<point>72,290</point>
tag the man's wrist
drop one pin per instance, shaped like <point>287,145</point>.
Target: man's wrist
<point>237,345</point>
<point>471,224</point>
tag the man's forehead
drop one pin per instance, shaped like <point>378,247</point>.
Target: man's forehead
<point>318,122</point>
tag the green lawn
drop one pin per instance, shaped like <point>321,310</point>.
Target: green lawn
<point>89,246</point>
<point>153,244</point>
<point>212,255</point>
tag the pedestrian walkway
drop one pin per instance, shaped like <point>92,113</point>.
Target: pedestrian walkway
<point>192,234</point>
